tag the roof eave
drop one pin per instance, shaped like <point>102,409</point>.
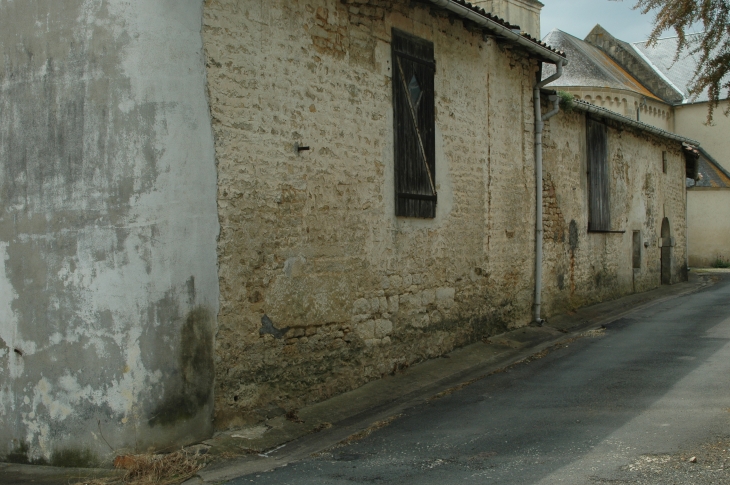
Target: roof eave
<point>605,113</point>
<point>480,17</point>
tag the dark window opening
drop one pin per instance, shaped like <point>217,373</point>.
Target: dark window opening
<point>664,162</point>
<point>413,126</point>
<point>666,256</point>
<point>599,215</point>
<point>637,249</point>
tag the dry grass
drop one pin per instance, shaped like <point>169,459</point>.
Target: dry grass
<point>293,416</point>
<point>362,434</point>
<point>595,333</point>
<point>170,469</point>
<point>321,427</point>
<point>452,390</point>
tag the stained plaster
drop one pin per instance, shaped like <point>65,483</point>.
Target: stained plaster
<point>107,224</point>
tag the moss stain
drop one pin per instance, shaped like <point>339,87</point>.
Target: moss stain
<point>20,456</point>
<point>196,370</point>
<point>74,458</point>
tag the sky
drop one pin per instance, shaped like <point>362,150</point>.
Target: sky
<point>578,17</point>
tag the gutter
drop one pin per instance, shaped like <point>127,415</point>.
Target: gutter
<point>605,113</point>
<point>539,230</point>
<point>516,37</point>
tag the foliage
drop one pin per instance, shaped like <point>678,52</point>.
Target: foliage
<point>721,263</point>
<point>712,47</point>
<point>566,101</point>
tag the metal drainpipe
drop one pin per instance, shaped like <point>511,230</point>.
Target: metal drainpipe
<point>686,232</point>
<point>539,119</point>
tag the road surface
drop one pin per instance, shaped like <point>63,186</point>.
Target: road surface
<point>632,404</point>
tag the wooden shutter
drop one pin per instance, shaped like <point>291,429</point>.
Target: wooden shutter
<point>413,119</point>
<point>599,215</point>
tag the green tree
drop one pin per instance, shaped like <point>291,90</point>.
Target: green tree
<point>712,46</point>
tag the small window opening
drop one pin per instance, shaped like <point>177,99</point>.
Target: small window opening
<point>414,89</point>
<point>637,249</point>
<point>664,162</point>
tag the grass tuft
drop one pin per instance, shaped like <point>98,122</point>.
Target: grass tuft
<point>148,469</point>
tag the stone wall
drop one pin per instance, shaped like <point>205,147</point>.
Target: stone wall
<point>689,121</point>
<point>708,223</point>
<point>108,277</point>
<point>583,267</point>
<point>309,241</point>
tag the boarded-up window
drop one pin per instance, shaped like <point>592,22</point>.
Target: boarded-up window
<point>599,216</point>
<point>413,119</point>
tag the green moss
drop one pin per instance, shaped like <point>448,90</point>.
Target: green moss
<point>20,456</point>
<point>71,458</point>
<point>196,370</point>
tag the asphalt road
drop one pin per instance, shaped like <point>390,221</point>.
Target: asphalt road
<point>631,404</point>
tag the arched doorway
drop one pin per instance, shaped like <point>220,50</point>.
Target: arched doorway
<point>666,253</point>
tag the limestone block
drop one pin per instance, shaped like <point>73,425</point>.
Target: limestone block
<point>366,330</point>
<point>374,305</point>
<point>383,328</point>
<point>361,306</point>
<point>445,297</point>
<point>385,283</point>
<point>383,304</point>
<point>420,321</point>
<point>393,304</point>
<point>411,303</point>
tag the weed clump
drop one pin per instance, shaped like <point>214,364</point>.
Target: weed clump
<point>149,469</point>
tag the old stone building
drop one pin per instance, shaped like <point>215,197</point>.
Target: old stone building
<point>217,212</point>
<point>643,243</point>
<point>320,241</point>
<point>649,83</point>
<point>326,282</point>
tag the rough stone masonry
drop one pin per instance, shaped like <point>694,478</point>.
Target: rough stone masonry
<point>310,241</point>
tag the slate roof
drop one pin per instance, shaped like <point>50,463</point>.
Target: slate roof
<point>713,175</point>
<point>589,66</point>
<point>679,73</point>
